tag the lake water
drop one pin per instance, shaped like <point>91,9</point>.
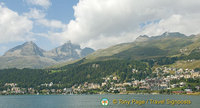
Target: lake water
<point>92,101</point>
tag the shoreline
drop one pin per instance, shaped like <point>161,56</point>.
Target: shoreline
<point>188,94</point>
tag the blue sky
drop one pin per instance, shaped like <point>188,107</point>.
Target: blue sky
<point>61,10</point>
<point>93,23</point>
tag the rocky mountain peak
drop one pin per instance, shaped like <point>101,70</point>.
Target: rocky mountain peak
<point>30,43</point>
<point>142,38</point>
<point>86,51</point>
<point>67,52</point>
<point>26,49</point>
<point>29,55</point>
<point>68,45</point>
<point>172,34</point>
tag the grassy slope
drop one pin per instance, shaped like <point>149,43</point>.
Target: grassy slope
<point>156,48</point>
<point>194,45</point>
<point>187,64</point>
<point>25,62</point>
<point>110,51</point>
<point>167,46</point>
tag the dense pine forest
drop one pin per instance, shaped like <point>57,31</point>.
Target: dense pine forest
<point>76,73</point>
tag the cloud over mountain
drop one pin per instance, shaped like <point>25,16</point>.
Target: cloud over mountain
<point>101,23</point>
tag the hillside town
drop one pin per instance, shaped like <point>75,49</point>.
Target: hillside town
<point>173,80</point>
<point>161,82</point>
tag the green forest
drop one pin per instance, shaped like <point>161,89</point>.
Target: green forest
<point>75,74</point>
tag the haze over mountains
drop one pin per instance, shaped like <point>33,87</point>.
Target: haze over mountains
<point>29,55</point>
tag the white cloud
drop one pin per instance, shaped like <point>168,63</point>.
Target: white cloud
<point>35,14</point>
<point>13,27</point>
<point>51,23</point>
<point>187,24</point>
<point>43,3</point>
<point>101,23</point>
<point>38,17</point>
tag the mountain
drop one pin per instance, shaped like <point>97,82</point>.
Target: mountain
<point>26,49</point>
<point>29,55</point>
<point>86,51</point>
<point>168,44</point>
<point>169,35</point>
<point>172,34</point>
<point>68,52</point>
<point>142,38</point>
<point>168,49</point>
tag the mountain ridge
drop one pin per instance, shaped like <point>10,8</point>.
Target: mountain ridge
<point>26,49</point>
<point>29,55</point>
<point>168,44</point>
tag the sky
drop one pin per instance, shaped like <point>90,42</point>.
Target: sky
<point>93,23</point>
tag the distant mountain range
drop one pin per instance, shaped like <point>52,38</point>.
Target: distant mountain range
<point>167,44</point>
<point>29,55</point>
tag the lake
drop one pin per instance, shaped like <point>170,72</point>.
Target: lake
<point>94,101</point>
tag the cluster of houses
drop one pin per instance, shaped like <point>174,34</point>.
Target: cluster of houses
<point>161,82</point>
<point>174,73</point>
<point>112,83</point>
<point>13,89</point>
<point>47,88</point>
<point>84,87</point>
